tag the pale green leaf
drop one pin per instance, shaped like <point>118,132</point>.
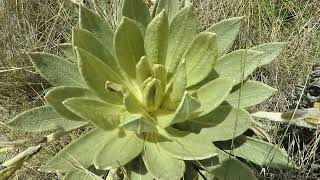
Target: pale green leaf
<point>81,152</point>
<point>87,41</point>
<point>92,22</point>
<point>96,74</point>
<point>68,52</point>
<point>187,146</point>
<point>153,94</point>
<point>182,30</point>
<point>80,175</point>
<point>171,7</point>
<point>257,151</point>
<point>252,93</point>
<point>227,31</point>
<point>200,57</point>
<point>128,44</point>
<point>118,151</point>
<point>40,119</point>
<point>213,94</point>
<point>103,114</point>
<point>57,95</point>
<point>139,125</point>
<point>137,11</point>
<point>160,165</point>
<point>156,39</point>
<point>137,170</point>
<point>58,71</point>
<point>270,52</point>
<point>143,69</point>
<point>132,104</point>
<point>176,89</point>
<point>237,65</point>
<point>231,168</point>
<point>224,123</point>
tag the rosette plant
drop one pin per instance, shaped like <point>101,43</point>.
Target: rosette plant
<point>164,101</point>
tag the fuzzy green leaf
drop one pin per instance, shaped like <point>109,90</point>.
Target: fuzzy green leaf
<point>92,22</point>
<point>137,11</point>
<point>143,69</point>
<point>132,104</point>
<point>252,93</point>
<point>68,52</point>
<point>118,151</point>
<point>40,119</point>
<point>187,146</point>
<point>237,65</point>
<point>182,30</point>
<point>87,41</point>
<point>80,152</point>
<point>171,7</point>
<point>160,165</point>
<point>227,31</point>
<point>270,52</point>
<point>139,125</point>
<point>56,70</point>
<point>57,95</point>
<point>156,39</point>
<point>104,115</point>
<point>137,170</point>
<point>259,152</point>
<point>231,168</point>
<point>223,123</point>
<point>128,44</point>
<point>213,94</point>
<point>96,74</point>
<point>200,57</point>
<point>80,175</point>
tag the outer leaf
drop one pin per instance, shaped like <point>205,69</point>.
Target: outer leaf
<point>223,123</point>
<point>139,125</point>
<point>270,52</point>
<point>40,119</point>
<point>92,22</point>
<point>227,31</point>
<point>188,146</point>
<point>160,165</point>
<point>200,57</point>
<point>80,152</point>
<point>57,95</point>
<point>213,94</point>
<point>104,115</point>
<point>137,11</point>
<point>258,152</point>
<point>171,8</point>
<point>87,41</point>
<point>237,65</point>
<point>156,39</point>
<point>128,44</point>
<point>56,70</point>
<point>252,93</point>
<point>181,32</point>
<point>96,74</point>
<point>118,151</point>
<point>232,169</point>
<point>67,50</point>
<point>80,175</point>
<point>137,170</point>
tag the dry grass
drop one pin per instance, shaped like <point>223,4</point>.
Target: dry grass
<point>37,25</point>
